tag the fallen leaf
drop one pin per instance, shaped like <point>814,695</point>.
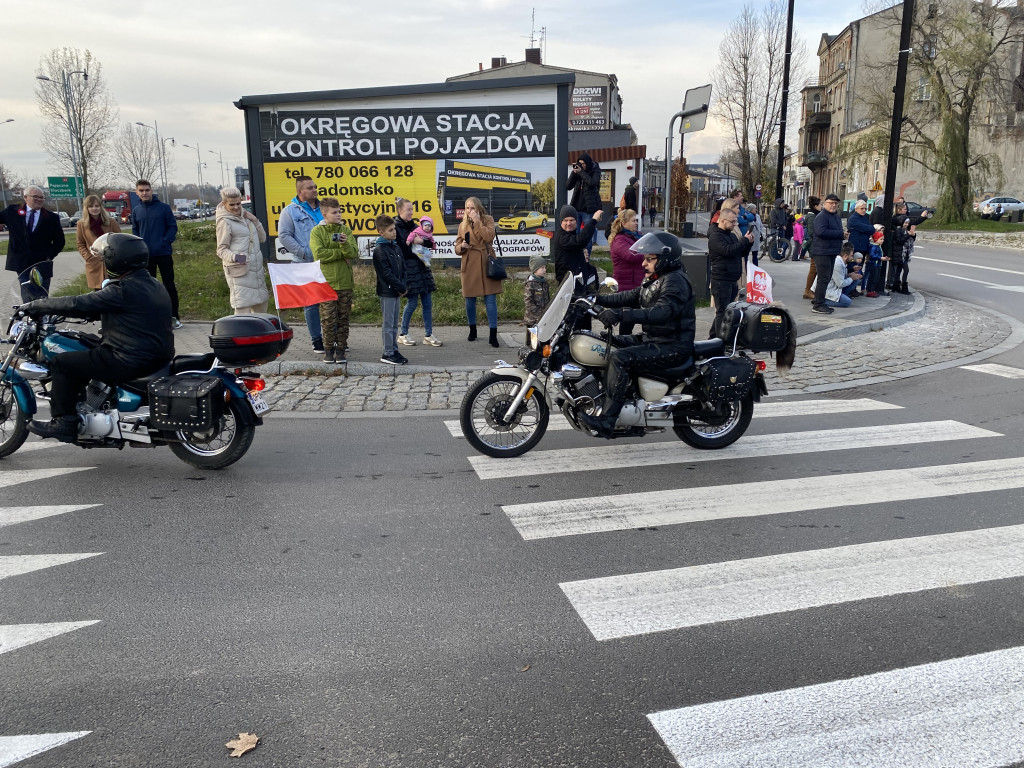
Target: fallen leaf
<point>525,669</point>
<point>244,743</point>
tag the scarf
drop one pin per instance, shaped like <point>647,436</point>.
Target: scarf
<point>96,225</point>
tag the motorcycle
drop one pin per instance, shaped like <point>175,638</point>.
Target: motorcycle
<point>708,400</point>
<point>205,407</point>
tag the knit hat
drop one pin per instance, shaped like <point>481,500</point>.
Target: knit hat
<point>566,211</point>
<point>536,262</point>
<point>632,180</point>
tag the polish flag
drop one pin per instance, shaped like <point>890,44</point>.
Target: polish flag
<point>300,284</point>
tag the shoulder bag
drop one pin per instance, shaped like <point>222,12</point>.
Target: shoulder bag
<point>495,269</point>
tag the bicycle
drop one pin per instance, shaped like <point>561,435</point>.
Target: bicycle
<point>777,246</point>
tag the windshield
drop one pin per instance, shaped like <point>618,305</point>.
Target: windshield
<point>548,323</point>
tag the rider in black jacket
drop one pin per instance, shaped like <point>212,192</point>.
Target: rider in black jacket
<point>664,304</point>
<point>135,314</point>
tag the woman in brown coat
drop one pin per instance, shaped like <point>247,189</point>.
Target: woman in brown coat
<point>474,245</point>
<point>95,221</point>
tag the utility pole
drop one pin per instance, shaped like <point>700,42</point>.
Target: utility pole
<point>899,93</point>
<point>785,99</point>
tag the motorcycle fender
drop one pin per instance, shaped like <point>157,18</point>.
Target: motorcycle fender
<point>522,375</point>
<point>248,415</point>
<point>759,389</point>
<point>22,392</point>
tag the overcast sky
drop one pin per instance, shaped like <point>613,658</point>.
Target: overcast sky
<point>182,64</point>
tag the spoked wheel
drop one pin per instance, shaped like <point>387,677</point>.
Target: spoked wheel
<point>218,447</point>
<point>717,429</point>
<point>777,249</point>
<point>482,417</point>
<point>13,423</point>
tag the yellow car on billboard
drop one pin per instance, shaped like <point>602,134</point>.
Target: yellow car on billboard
<point>522,219</point>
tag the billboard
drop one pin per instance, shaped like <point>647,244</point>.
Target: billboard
<point>589,108</point>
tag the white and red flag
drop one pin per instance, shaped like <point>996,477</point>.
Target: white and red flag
<point>300,284</point>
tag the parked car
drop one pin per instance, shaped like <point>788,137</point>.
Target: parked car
<point>918,212</point>
<point>998,205</point>
<point>65,220</point>
<point>75,218</point>
<point>522,219</point>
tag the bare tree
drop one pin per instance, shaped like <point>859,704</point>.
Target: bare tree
<point>135,155</point>
<point>94,112</point>
<point>748,88</point>
<point>9,181</point>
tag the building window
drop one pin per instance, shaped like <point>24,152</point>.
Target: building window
<point>876,175</point>
<point>816,103</point>
<point>931,46</point>
<point>924,89</point>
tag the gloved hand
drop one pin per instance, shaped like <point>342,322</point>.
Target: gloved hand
<point>609,317</point>
<point>28,309</point>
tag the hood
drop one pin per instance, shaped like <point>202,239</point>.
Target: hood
<point>224,213</point>
<point>381,240</point>
<point>588,161</point>
<point>778,202</point>
<point>566,211</point>
<point>428,220</point>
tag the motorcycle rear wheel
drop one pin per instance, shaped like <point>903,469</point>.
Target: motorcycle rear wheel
<point>718,433</point>
<point>218,447</point>
<point>483,409</point>
<point>13,422</point>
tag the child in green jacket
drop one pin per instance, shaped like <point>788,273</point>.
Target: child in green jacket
<point>334,246</point>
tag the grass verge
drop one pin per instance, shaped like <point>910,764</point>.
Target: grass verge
<point>971,225</point>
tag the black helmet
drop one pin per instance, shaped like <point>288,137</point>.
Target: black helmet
<point>662,244</point>
<point>122,253</point>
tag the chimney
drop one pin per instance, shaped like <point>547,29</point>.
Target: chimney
<point>533,55</point>
<point>498,61</point>
<point>481,65</point>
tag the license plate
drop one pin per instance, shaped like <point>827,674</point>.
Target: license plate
<point>258,403</point>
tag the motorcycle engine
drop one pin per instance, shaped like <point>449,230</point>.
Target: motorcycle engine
<point>587,391</point>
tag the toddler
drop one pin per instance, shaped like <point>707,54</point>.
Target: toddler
<point>426,231</point>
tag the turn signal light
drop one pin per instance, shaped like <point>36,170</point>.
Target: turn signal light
<point>546,350</point>
<point>761,366</point>
<point>255,385</point>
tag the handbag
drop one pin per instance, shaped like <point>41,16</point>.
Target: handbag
<point>495,269</point>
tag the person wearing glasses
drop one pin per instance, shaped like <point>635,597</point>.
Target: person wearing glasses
<point>828,241</point>
<point>36,238</point>
<point>728,254</point>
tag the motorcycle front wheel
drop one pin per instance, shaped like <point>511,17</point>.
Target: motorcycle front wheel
<point>482,417</point>
<point>724,428</point>
<point>218,447</point>
<point>13,423</point>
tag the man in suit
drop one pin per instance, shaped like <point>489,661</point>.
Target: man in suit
<point>36,238</point>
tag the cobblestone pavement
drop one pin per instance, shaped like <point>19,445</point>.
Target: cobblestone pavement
<point>948,331</point>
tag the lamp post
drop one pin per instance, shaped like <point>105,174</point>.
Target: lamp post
<point>65,84</point>
<point>159,155</point>
<point>3,186</point>
<point>220,162</point>
<point>199,167</point>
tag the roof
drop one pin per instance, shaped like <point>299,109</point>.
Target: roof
<point>521,64</point>
<point>611,154</point>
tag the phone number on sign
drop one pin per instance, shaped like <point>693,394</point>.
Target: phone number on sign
<point>364,171</point>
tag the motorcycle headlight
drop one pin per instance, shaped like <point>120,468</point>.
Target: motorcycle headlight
<point>532,336</point>
<point>16,327</point>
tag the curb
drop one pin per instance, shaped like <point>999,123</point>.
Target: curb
<point>869,326</point>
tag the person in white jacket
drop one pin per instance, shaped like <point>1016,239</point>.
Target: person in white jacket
<point>239,234</point>
<point>836,292</point>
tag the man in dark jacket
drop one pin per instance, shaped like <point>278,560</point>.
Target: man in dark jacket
<point>36,237</point>
<point>727,257</point>
<point>585,183</point>
<point>154,222</point>
<point>570,242</point>
<point>629,196</point>
<point>664,305</point>
<point>135,315</point>
<point>828,241</point>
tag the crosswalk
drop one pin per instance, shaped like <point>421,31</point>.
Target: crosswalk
<point>14,748</point>
<point>963,711</point>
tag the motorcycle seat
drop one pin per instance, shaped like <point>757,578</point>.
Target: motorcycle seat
<point>201,362</point>
<point>141,384</point>
<point>708,348</point>
<point>677,372</point>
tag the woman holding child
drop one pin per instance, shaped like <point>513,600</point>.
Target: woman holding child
<point>474,244</point>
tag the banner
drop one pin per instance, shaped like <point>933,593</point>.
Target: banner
<point>759,286</point>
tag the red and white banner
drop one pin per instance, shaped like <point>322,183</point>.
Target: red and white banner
<point>300,284</point>
<point>759,286</point>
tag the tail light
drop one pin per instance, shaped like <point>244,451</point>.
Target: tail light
<point>255,385</point>
<point>761,366</point>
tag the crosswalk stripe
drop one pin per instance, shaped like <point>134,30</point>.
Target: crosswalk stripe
<point>11,477</point>
<point>761,411</point>
<point>963,712</point>
<point>571,517</point>
<point>15,515</point>
<point>14,749</point>
<point>996,370</point>
<point>640,603</point>
<point>15,565</point>
<point>618,457</point>
<point>19,635</point>
<point>38,445</point>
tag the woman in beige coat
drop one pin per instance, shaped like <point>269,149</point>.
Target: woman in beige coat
<point>239,234</point>
<point>95,221</point>
<point>474,245</point>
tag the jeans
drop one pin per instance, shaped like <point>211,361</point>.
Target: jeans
<point>844,301</point>
<point>724,293</point>
<point>313,322</point>
<point>389,324</point>
<point>165,264</point>
<point>490,303</point>
<point>584,218</point>
<point>428,312</point>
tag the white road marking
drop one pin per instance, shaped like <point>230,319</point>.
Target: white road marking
<point>19,635</point>
<point>640,603</point>
<point>617,457</point>
<point>15,515</point>
<point>15,565</point>
<point>996,370</point>
<point>962,712</point>
<point>14,749</point>
<point>986,283</point>
<point>38,445</point>
<point>971,266</point>
<point>575,516</point>
<point>761,411</point>
<point>11,477</point>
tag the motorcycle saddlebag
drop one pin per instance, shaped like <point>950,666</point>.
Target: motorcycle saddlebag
<point>728,378</point>
<point>763,327</point>
<point>186,402</point>
<point>251,339</point>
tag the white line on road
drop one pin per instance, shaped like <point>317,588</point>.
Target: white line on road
<point>617,457</point>
<point>571,517</point>
<point>640,603</point>
<point>986,283</point>
<point>11,477</point>
<point>996,370</point>
<point>19,635</point>
<point>15,565</point>
<point>14,749</point>
<point>38,445</point>
<point>761,411</point>
<point>962,712</point>
<point>15,515</point>
<point>971,266</point>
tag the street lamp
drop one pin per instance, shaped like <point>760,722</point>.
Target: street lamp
<point>3,186</point>
<point>199,167</point>
<point>220,162</point>
<point>64,78</point>
<point>160,155</point>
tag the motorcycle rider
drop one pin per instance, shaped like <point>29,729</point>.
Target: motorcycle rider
<point>664,305</point>
<point>135,314</point>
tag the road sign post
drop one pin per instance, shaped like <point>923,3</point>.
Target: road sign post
<point>694,113</point>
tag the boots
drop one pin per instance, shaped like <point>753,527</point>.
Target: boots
<point>603,425</point>
<point>64,428</point>
<point>493,340</point>
<point>903,289</point>
<point>472,333</point>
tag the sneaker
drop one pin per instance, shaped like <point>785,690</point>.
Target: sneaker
<point>339,357</point>
<point>176,323</point>
<point>824,309</point>
<point>391,359</point>
<point>400,358</point>
<point>872,294</point>
<point>431,341</point>
<point>405,341</point>
<point>318,346</point>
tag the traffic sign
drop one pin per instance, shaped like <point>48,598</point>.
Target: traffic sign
<point>64,186</point>
<point>694,100</point>
<point>758,187</point>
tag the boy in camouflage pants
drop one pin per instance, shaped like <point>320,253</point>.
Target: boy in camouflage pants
<point>536,294</point>
<point>334,246</point>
